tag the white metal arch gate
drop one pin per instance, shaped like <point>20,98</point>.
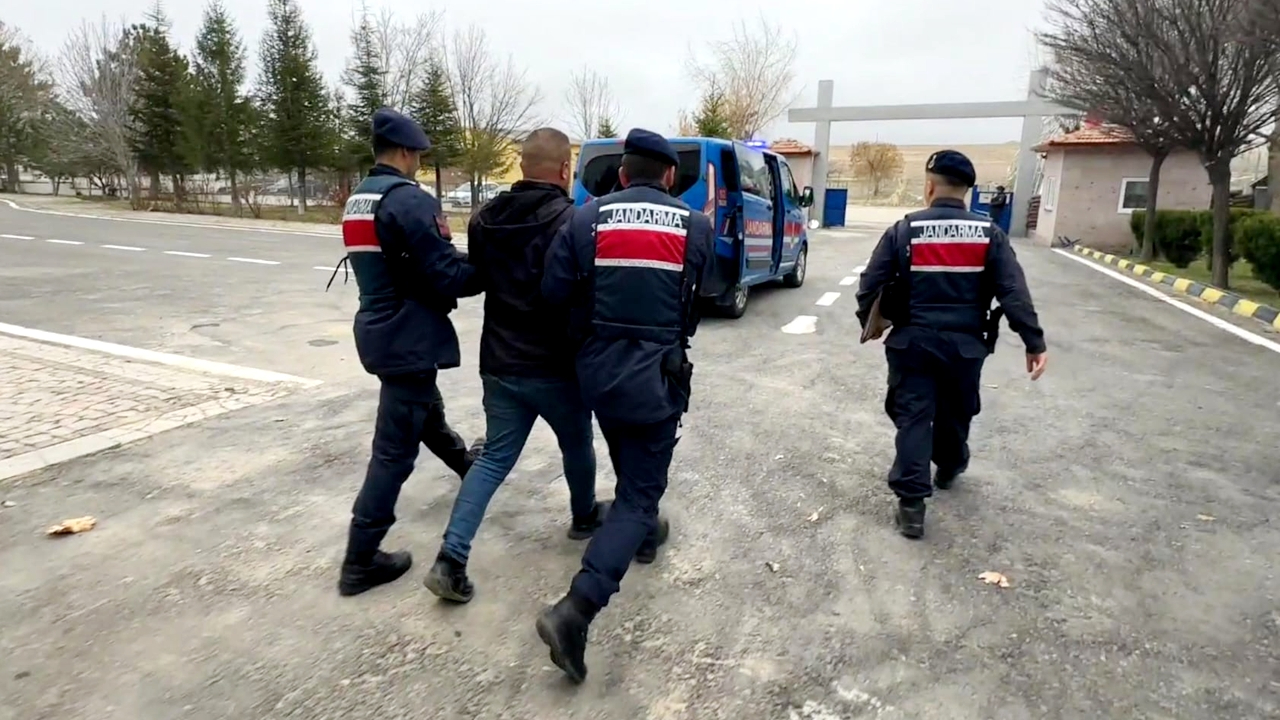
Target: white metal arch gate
<point>1033,111</point>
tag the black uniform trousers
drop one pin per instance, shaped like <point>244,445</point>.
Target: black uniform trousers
<point>932,398</point>
<point>641,457</point>
<point>410,411</point>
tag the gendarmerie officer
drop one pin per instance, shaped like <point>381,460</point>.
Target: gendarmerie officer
<point>936,272</point>
<point>410,277</point>
<point>630,265</point>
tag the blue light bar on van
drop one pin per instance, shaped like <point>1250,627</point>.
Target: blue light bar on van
<point>755,143</point>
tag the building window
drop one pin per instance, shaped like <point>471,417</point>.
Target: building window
<point>1049,193</point>
<point>1133,194</point>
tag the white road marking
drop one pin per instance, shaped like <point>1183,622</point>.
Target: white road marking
<point>17,237</point>
<point>64,242</point>
<point>849,281</point>
<point>180,253</point>
<point>1212,320</point>
<point>860,268</point>
<point>321,267</point>
<point>802,325</point>
<point>336,232</point>
<point>124,247</point>
<point>828,299</point>
<point>181,361</point>
<point>253,260</point>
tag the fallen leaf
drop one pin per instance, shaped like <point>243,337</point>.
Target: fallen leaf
<point>73,526</point>
<point>994,578</point>
<point>9,503</point>
<point>773,566</point>
<point>1206,518</point>
<point>816,513</point>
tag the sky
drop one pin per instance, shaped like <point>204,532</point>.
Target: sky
<point>877,53</point>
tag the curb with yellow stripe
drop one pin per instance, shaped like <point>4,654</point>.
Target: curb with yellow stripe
<point>1207,293</point>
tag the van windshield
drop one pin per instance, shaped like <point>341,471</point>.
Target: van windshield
<point>600,163</point>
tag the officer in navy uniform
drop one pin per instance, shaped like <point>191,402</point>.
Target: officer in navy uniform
<point>629,265</point>
<point>936,273</point>
<point>410,278</point>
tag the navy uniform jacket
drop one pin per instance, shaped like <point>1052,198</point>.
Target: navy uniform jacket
<point>958,263</point>
<point>632,314</point>
<point>408,332</point>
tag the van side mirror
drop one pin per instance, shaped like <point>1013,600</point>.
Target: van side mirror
<point>806,197</point>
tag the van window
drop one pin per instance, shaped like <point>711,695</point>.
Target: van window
<point>789,185</point>
<point>599,174</point>
<point>753,174</point>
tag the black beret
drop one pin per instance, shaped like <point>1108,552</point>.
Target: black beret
<point>393,128</point>
<point>651,145</point>
<point>954,165</point>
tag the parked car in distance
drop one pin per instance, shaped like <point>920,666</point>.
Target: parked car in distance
<point>461,196</point>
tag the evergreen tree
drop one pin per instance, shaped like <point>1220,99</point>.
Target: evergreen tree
<point>712,119</point>
<point>220,126</point>
<point>26,96</point>
<point>606,129</point>
<point>156,113</point>
<point>432,106</point>
<point>364,76</point>
<point>294,99</point>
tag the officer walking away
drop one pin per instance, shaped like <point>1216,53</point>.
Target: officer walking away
<point>630,265</point>
<point>526,360</point>
<point>410,278</point>
<point>999,201</point>
<point>935,273</point>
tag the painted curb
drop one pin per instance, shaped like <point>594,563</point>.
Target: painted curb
<point>1207,293</point>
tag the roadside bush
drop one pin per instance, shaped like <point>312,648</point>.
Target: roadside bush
<point>1237,216</point>
<point>1258,237</point>
<point>1178,236</point>
<point>1138,224</point>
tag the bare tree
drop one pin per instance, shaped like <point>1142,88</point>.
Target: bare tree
<point>590,103</point>
<point>1103,64</point>
<point>756,71</point>
<point>404,51</point>
<point>98,67</point>
<point>495,104</point>
<point>875,163</point>
<point>1264,22</point>
<point>684,125</point>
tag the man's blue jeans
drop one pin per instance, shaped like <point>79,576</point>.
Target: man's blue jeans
<point>511,406</point>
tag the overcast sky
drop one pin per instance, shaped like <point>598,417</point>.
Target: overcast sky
<point>882,52</point>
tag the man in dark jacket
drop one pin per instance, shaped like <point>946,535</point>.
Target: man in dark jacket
<point>935,273</point>
<point>410,277</point>
<point>526,359</point>
<point>630,265</point>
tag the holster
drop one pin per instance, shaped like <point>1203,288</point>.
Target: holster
<point>991,329</point>
<point>679,371</point>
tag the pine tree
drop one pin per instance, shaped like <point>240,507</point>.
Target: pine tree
<point>156,114</point>
<point>432,106</point>
<point>294,99</point>
<point>222,120</point>
<point>606,129</point>
<point>712,120</point>
<point>364,76</point>
<point>26,97</point>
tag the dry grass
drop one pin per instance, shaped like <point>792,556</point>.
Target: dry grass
<point>993,163</point>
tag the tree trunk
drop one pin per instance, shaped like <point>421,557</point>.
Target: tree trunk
<point>153,192</point>
<point>293,200</point>
<point>1220,176</point>
<point>56,182</point>
<point>475,191</point>
<point>1147,251</point>
<point>439,187</point>
<point>12,179</point>
<point>1273,168</point>
<point>235,194</point>
<point>302,191</point>
<point>178,194</point>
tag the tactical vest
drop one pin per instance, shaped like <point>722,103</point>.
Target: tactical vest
<point>947,257</point>
<point>640,277</point>
<point>364,251</point>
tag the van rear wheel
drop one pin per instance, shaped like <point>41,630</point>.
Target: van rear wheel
<point>795,278</point>
<point>733,304</point>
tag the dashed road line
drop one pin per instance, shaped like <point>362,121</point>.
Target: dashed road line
<point>860,268</point>
<point>802,325</point>
<point>828,299</point>
<point>64,242</point>
<point>849,280</point>
<point>130,248</point>
<point>17,237</point>
<point>254,261</point>
<point>181,253</point>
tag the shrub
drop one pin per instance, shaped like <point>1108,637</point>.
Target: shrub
<point>1138,224</point>
<point>1259,240</point>
<point>1178,236</point>
<point>1237,216</point>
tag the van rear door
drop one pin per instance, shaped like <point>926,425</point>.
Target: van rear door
<point>598,165</point>
<point>756,181</point>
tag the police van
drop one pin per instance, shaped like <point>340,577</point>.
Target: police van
<point>749,194</point>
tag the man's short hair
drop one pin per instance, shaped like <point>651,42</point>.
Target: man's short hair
<point>544,150</point>
<point>382,147</point>
<point>644,169</point>
<point>948,183</point>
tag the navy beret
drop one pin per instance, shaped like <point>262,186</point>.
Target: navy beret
<point>393,128</point>
<point>954,165</point>
<point>650,144</point>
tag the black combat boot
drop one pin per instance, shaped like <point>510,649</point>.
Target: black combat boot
<point>648,551</point>
<point>910,518</point>
<point>585,527</point>
<point>944,479</point>
<point>448,580</point>
<point>563,627</point>
<point>365,573</point>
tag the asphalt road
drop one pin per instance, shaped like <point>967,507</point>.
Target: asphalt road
<point>1129,497</point>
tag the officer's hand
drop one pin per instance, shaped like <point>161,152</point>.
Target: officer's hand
<point>1036,364</point>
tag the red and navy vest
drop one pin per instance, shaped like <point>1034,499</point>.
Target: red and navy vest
<point>364,251</point>
<point>641,285</point>
<point>948,259</point>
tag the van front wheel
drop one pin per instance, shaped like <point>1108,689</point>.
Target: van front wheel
<point>733,304</point>
<point>795,278</point>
